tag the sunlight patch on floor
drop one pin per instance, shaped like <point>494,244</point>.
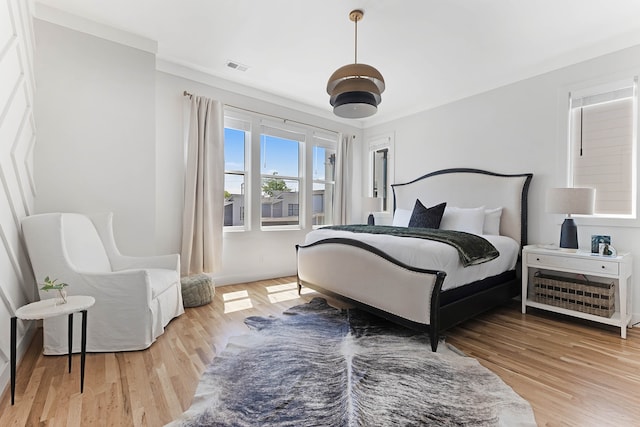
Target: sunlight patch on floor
<point>282,296</point>
<point>283,292</point>
<point>282,288</point>
<point>236,301</point>
<point>230,296</point>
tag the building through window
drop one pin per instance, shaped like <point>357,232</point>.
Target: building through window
<point>236,138</point>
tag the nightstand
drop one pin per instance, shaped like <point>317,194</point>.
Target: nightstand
<point>577,267</point>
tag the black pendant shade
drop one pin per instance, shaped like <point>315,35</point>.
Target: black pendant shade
<point>355,105</point>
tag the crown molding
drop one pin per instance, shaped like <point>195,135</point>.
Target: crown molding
<point>204,76</point>
<point>83,25</point>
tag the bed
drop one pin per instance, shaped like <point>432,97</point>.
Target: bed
<point>417,283</point>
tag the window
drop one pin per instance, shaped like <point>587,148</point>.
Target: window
<point>602,139</point>
<point>280,173</point>
<point>324,176</point>
<point>236,137</point>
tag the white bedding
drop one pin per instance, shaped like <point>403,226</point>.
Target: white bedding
<point>428,254</point>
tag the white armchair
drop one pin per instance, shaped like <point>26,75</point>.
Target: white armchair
<point>136,297</point>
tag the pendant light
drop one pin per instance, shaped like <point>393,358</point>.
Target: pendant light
<point>355,89</point>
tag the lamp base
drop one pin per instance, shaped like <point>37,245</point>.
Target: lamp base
<point>371,220</point>
<point>569,234</point>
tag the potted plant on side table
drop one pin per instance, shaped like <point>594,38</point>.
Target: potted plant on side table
<point>52,284</point>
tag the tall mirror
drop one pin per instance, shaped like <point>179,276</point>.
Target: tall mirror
<point>380,176</point>
<point>381,173</point>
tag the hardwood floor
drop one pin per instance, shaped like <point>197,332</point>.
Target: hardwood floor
<point>572,373</point>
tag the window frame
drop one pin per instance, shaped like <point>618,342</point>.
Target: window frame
<point>290,133</point>
<point>564,165</point>
<point>378,143</point>
<point>254,123</point>
<point>323,140</point>
<point>241,123</point>
<point>600,91</point>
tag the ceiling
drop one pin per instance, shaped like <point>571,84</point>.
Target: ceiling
<point>430,52</point>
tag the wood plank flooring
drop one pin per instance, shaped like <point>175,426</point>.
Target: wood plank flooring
<point>573,373</point>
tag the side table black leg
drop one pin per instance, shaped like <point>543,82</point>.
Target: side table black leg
<point>14,324</point>
<point>70,341</point>
<point>83,353</point>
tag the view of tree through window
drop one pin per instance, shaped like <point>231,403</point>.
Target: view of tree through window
<point>279,168</point>
<point>284,172</point>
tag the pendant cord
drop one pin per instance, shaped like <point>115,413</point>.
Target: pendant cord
<point>355,61</point>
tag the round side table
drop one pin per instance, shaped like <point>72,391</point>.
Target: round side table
<point>50,308</point>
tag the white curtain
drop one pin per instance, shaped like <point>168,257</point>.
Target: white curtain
<point>341,208</point>
<point>202,219</point>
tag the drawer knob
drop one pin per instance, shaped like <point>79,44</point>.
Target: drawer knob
<point>537,259</point>
<point>603,266</point>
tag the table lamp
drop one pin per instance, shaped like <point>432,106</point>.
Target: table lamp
<point>371,205</point>
<point>570,201</point>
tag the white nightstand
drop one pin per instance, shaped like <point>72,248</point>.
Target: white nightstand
<point>596,268</point>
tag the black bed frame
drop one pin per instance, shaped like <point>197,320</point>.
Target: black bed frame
<point>443,317</point>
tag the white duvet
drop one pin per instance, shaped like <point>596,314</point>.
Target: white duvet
<point>428,254</point>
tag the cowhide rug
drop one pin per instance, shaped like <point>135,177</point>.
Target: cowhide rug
<point>320,366</point>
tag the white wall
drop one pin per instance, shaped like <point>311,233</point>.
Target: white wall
<point>17,137</point>
<point>516,128</point>
<point>96,111</point>
<point>248,255</point>
<point>111,139</point>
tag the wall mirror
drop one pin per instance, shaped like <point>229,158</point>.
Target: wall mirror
<point>381,172</point>
<point>380,177</point>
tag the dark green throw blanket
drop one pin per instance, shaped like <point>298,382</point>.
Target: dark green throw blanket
<point>472,249</point>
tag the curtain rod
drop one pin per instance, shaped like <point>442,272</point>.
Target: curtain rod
<point>190,95</point>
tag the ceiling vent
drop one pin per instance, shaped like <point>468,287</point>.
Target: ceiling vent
<point>237,66</point>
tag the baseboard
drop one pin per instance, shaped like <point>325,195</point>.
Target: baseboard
<point>233,279</point>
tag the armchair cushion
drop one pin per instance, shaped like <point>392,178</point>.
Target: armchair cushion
<point>161,280</point>
<point>83,245</point>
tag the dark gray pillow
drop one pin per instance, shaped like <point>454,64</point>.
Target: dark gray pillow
<point>427,217</point>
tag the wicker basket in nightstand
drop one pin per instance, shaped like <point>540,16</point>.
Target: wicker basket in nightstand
<point>573,294</point>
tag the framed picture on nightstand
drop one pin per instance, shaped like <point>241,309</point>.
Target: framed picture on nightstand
<point>598,241</point>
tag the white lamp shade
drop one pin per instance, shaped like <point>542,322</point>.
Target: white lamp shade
<point>372,204</point>
<point>571,200</point>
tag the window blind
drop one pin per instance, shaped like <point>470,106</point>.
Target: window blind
<point>602,147</point>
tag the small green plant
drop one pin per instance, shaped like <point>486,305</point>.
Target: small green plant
<point>50,284</point>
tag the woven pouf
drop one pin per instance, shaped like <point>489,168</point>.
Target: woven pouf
<point>197,290</point>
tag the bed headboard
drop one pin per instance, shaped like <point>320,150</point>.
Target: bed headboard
<point>470,188</point>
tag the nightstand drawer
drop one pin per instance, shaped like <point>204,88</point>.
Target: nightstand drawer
<point>586,265</point>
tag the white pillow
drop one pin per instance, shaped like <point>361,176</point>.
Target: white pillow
<point>492,221</point>
<point>470,220</point>
<point>401,218</point>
